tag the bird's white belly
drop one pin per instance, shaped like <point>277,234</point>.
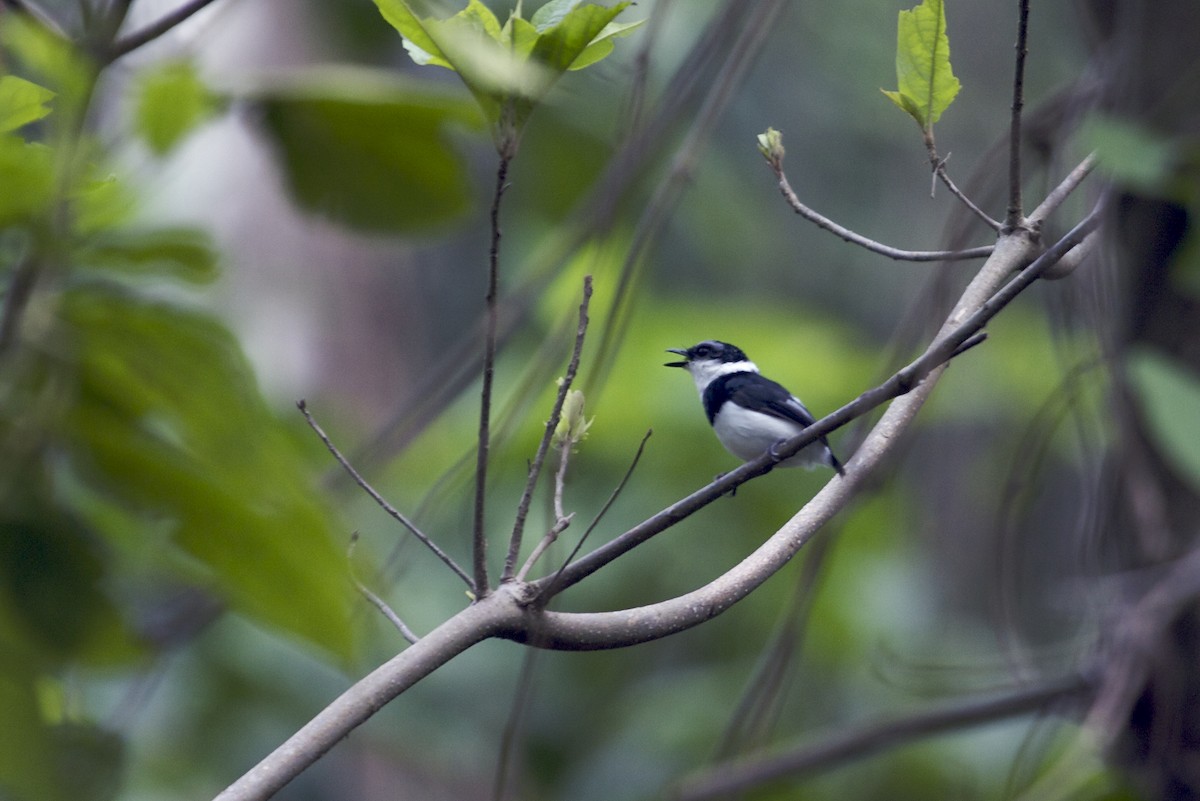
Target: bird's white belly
<point>747,435</point>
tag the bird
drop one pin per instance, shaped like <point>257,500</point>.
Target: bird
<point>750,413</point>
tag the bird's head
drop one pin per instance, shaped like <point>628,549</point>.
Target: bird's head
<point>711,358</point>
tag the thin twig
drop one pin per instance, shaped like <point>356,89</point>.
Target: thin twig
<point>379,499</point>
<point>512,727</point>
<point>127,44</point>
<point>550,588</point>
<point>828,752</point>
<point>822,221</point>
<point>561,518</point>
<point>535,468</point>
<point>1015,205</point>
<point>374,599</point>
<point>478,529</point>
<point>939,170</point>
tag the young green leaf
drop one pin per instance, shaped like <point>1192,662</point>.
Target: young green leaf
<point>572,425</point>
<point>509,68</point>
<point>21,102</point>
<point>926,84</point>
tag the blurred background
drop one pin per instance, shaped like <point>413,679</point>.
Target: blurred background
<point>177,565</point>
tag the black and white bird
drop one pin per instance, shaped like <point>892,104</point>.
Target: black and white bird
<point>749,412</point>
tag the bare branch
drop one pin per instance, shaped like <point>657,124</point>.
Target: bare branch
<point>479,527</point>
<point>831,751</point>
<point>477,622</point>
<point>1061,192</point>
<point>379,499</point>
<point>1015,205</point>
<point>374,599</point>
<point>139,38</point>
<point>822,221</point>
<point>535,468</point>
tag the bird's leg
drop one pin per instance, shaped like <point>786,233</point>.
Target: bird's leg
<point>720,476</point>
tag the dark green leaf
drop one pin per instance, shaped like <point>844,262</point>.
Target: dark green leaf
<point>372,154</point>
<point>168,422</point>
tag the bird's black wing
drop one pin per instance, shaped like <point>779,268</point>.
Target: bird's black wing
<point>753,391</point>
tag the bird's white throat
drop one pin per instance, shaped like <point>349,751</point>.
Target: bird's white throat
<point>704,371</point>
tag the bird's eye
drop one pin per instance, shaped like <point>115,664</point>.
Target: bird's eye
<point>704,351</point>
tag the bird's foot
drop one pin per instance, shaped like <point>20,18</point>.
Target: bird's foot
<point>720,476</point>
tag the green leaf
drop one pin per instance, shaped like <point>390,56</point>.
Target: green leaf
<point>602,45</point>
<point>562,43</point>
<point>1170,399</point>
<point>552,13</point>
<point>21,102</point>
<point>417,41</point>
<point>52,60</point>
<point>99,203</point>
<point>509,68</point>
<point>26,748</point>
<point>167,420</point>
<point>369,152</point>
<point>171,102</point>
<point>926,84</point>
<point>1132,154</point>
<point>183,253</point>
<point>27,173</point>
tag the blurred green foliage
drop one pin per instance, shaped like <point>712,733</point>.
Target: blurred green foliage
<point>148,486</point>
<point>172,101</point>
<point>368,151</point>
<point>1170,398</point>
<point>138,455</point>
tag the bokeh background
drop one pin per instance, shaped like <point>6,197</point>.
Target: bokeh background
<point>995,549</point>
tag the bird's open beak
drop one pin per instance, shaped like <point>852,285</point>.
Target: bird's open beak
<point>682,353</point>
